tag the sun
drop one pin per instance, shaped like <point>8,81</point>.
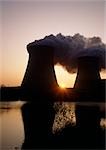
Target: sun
<point>62,86</point>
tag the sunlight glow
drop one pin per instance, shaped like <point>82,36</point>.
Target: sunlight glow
<point>64,78</point>
<point>62,86</point>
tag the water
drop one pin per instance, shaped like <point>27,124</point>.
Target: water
<point>11,124</point>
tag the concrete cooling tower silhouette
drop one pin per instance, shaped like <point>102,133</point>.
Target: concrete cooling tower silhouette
<point>40,74</point>
<point>88,76</point>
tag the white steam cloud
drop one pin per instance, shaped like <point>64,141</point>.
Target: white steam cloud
<point>69,48</point>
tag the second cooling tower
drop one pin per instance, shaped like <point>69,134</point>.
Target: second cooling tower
<point>88,76</point>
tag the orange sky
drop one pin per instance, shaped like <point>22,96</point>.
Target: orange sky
<point>24,21</point>
<point>66,79</point>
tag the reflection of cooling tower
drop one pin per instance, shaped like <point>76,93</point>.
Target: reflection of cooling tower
<point>40,73</point>
<point>88,76</point>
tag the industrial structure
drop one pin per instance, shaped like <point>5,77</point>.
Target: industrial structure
<point>40,75</point>
<point>38,86</point>
<point>88,76</point>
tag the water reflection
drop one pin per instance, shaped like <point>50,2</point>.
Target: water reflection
<point>11,104</point>
<point>11,125</point>
<point>65,114</point>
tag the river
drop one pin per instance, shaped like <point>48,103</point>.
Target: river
<point>11,124</point>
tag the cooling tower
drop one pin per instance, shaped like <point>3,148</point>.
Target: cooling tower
<point>40,74</point>
<point>88,76</point>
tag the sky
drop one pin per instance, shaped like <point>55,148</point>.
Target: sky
<point>22,22</point>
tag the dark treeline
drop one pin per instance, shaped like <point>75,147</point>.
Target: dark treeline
<point>72,94</point>
<point>10,93</point>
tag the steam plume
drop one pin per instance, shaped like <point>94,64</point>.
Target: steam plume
<point>69,48</point>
